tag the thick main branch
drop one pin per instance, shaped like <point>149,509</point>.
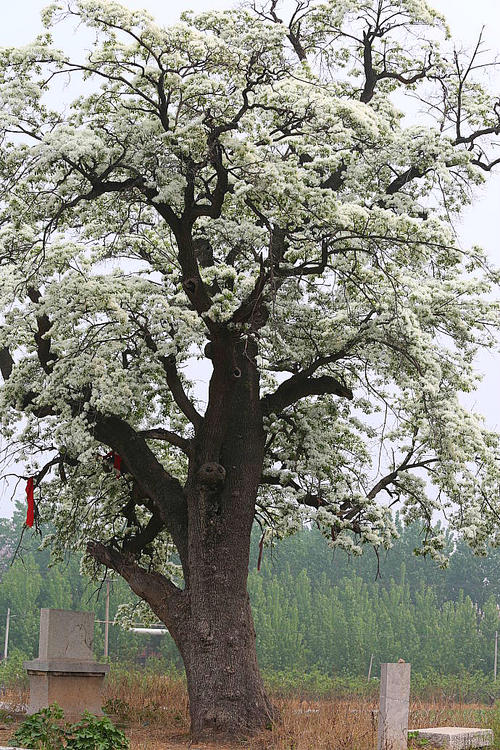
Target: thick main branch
<point>163,596</point>
<point>165,492</point>
<point>298,387</point>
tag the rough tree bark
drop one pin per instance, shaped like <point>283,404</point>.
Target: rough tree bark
<point>210,619</point>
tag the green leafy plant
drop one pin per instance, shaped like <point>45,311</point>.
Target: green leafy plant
<point>45,730</point>
<point>12,671</point>
<point>42,731</point>
<point>96,733</point>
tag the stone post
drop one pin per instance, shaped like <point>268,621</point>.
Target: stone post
<point>394,706</point>
<point>65,671</point>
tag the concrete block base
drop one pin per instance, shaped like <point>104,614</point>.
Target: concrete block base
<point>71,691</point>
<point>456,738</point>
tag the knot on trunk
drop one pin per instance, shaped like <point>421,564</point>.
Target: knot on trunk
<point>211,475</point>
<point>190,286</point>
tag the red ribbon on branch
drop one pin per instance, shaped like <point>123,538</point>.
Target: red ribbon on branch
<point>117,462</point>
<point>30,494</point>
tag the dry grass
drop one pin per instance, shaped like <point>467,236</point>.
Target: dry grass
<point>153,712</point>
<point>147,700</point>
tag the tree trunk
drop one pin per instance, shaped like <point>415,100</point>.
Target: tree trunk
<point>211,623</point>
<point>210,619</point>
<point>226,693</point>
<point>213,629</point>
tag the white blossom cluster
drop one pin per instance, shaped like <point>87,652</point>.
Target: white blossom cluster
<point>369,281</point>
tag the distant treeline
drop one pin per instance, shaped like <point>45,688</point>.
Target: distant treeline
<point>315,609</point>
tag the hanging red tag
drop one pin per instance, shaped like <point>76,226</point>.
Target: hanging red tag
<point>117,463</point>
<point>30,494</point>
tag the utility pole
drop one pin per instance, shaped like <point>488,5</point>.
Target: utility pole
<point>6,644</point>
<point>496,657</point>
<point>370,668</point>
<point>106,623</point>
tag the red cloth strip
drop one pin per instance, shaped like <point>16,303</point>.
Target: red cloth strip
<point>117,462</point>
<point>30,494</point>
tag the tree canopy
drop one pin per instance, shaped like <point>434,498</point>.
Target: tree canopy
<point>243,173</point>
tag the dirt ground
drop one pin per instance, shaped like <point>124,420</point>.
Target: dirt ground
<point>141,738</point>
<point>316,725</point>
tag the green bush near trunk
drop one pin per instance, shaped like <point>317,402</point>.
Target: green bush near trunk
<point>46,730</point>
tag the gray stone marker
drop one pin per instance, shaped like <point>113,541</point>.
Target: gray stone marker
<point>66,635</point>
<point>65,671</point>
<point>394,706</point>
<point>456,738</point>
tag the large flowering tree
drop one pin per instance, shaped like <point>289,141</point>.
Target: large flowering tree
<point>243,188</point>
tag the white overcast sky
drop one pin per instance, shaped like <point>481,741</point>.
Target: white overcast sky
<point>20,22</point>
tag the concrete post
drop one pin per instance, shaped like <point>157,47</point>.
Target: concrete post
<point>496,656</point>
<point>394,706</point>
<point>106,624</point>
<point>6,643</point>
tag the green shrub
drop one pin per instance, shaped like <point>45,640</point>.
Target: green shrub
<point>42,731</point>
<point>464,687</point>
<point>96,733</point>
<point>45,730</point>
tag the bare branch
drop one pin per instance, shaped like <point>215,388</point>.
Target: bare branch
<point>164,490</point>
<point>403,179</point>
<point>142,582</point>
<point>137,542</point>
<point>298,387</point>
<point>175,384</point>
<point>45,356</point>
<point>158,433</point>
<point>393,475</point>
<point>178,392</point>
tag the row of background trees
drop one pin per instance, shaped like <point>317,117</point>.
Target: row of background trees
<point>314,608</point>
